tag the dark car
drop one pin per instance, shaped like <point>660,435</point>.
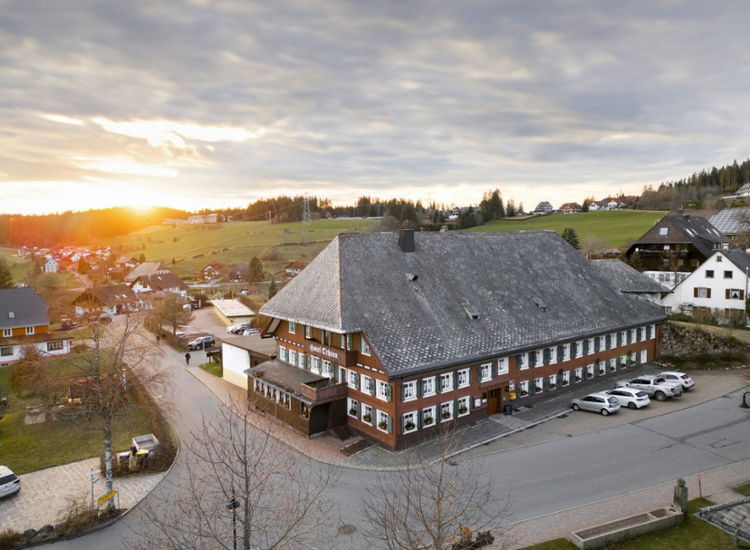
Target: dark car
<point>202,342</point>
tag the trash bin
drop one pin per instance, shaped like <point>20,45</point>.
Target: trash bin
<point>507,410</point>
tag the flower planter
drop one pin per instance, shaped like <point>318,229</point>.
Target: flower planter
<point>352,412</point>
<point>462,410</point>
<point>552,386</point>
<point>524,393</point>
<point>383,425</point>
<point>409,426</point>
<point>578,378</point>
<point>428,421</point>
<point>367,418</point>
<point>445,416</point>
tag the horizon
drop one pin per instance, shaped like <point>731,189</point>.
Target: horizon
<point>215,106</point>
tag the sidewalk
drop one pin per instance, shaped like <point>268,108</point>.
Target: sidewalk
<point>46,494</point>
<point>715,486</point>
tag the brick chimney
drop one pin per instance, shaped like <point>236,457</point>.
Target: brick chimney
<point>406,240</point>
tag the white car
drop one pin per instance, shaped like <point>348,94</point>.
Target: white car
<point>232,328</point>
<point>9,482</point>
<point>655,386</point>
<point>675,376</point>
<point>630,397</point>
<point>249,331</point>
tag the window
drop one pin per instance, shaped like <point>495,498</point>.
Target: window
<point>328,369</point>
<point>384,422</point>
<point>566,352</point>
<point>579,348</point>
<point>613,340</point>
<point>523,388</point>
<point>553,355</point>
<point>552,381</point>
<point>410,422</point>
<point>485,372</point>
<point>446,411</point>
<point>428,386</point>
<point>353,407</point>
<point>314,364</point>
<point>566,378</point>
<point>612,365</point>
<point>301,360</point>
<point>727,274</point>
<point>367,414</point>
<point>718,257</point>
<point>446,382</point>
<point>463,378</point>
<point>353,380</point>
<point>428,417</point>
<point>579,374</point>
<point>409,390</point>
<point>538,385</point>
<point>502,365</point>
<point>590,371</point>
<point>292,357</point>
<point>663,231</point>
<point>524,364</point>
<point>292,327</point>
<point>464,404</point>
<point>382,390</point>
<point>308,332</point>
<point>29,330</point>
<point>283,353</point>
<point>632,336</point>
<point>538,359</point>
<point>342,377</point>
<point>734,294</point>
<point>667,247</point>
<point>591,346</point>
<point>652,332</point>
<point>364,347</point>
<point>623,361</point>
<point>701,292</point>
<point>7,332</point>
<point>602,368</point>
<point>709,274</point>
<point>6,351</point>
<point>342,340</point>
<point>602,343</point>
<point>348,341</point>
<point>367,385</point>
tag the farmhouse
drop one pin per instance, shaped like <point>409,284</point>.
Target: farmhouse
<point>212,271</point>
<point>24,322</point>
<point>50,266</point>
<point>146,268</point>
<point>719,286</point>
<point>677,242</point>
<point>570,208</point>
<point>107,300</point>
<point>409,331</point>
<point>163,281</point>
<point>543,207</point>
<point>294,268</point>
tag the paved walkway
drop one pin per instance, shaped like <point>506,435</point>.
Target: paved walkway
<point>45,495</point>
<point>714,485</point>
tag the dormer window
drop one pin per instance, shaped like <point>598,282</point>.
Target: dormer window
<point>663,231</point>
<point>11,315</point>
<point>29,331</point>
<point>7,332</point>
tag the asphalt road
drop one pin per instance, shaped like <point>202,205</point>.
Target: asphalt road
<point>541,478</point>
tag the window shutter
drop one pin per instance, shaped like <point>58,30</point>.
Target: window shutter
<point>389,391</point>
<point>560,351</point>
<point>403,424</point>
<point>455,408</point>
<point>608,340</point>
<point>545,356</point>
<point>419,392</point>
<point>403,391</point>
<point>586,346</point>
<point>726,294</point>
<point>742,294</point>
<point>468,377</point>
<point>356,380</point>
<point>708,290</point>
<point>518,362</point>
<point>596,344</point>
<point>695,292</point>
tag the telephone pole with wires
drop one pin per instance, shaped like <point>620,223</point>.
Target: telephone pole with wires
<point>306,217</point>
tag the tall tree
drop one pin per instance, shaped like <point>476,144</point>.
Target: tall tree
<point>6,279</point>
<point>569,234</point>
<point>255,270</point>
<point>171,311</point>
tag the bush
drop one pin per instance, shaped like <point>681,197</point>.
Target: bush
<point>9,539</point>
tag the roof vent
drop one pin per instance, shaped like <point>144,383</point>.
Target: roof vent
<point>11,315</point>
<point>412,276</point>
<point>406,240</point>
<point>469,309</point>
<point>540,304</point>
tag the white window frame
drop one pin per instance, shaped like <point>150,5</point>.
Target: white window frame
<point>553,355</point>
<point>591,346</point>
<point>301,360</point>
<point>30,331</point>
<point>382,416</point>
<point>365,409</point>
<point>463,378</point>
<point>449,385</point>
<point>293,357</point>
<point>7,332</point>
<point>410,388</point>
<point>449,405</point>
<point>613,365</point>
<point>524,361</point>
<point>552,378</point>
<point>538,385</point>
<point>566,378</point>
<point>429,381</point>
<point>308,332</point>
<point>590,370</point>
<point>366,384</point>
<point>411,416</point>
<point>292,327</point>
<point>624,337</point>
<point>429,412</point>
<point>351,379</point>
<point>315,364</point>
<point>579,348</point>
<point>653,332</point>
<point>602,342</point>
<point>485,372</point>
<point>502,366</point>
<point>538,358</point>
<point>364,347</point>
<point>327,370</point>
<point>602,368</point>
<point>578,377</point>
<point>352,404</point>
<point>566,352</point>
<point>613,340</point>
<point>283,354</point>
<point>523,386</point>
<point>381,390</point>
<point>465,402</point>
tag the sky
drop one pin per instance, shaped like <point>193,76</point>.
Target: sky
<point>197,104</point>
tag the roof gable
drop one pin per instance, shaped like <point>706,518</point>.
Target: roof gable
<point>22,307</point>
<point>624,278</point>
<point>683,228</point>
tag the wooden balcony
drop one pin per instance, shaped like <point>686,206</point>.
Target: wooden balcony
<point>323,391</point>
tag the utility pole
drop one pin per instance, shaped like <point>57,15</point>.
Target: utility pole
<point>306,218</point>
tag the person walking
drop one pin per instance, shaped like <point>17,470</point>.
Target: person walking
<point>187,359</point>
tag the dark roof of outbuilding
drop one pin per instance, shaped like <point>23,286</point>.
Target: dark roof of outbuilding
<point>253,342</point>
<point>22,307</point>
<point>283,375</point>
<point>684,228</point>
<point>526,289</point>
<point>624,278</point>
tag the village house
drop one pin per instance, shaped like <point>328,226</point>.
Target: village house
<point>294,268</point>
<point>239,273</point>
<point>145,268</point>
<point>390,335</point>
<point>231,311</point>
<point>240,353</point>
<point>24,322</point>
<point>677,242</point>
<point>50,266</point>
<point>734,224</point>
<point>570,208</point>
<point>107,300</point>
<point>629,281</point>
<point>212,271</point>
<point>543,208</point>
<point>203,218</point>
<point>161,282</point>
<point>719,286</point>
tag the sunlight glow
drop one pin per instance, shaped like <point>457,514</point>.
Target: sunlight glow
<point>62,119</point>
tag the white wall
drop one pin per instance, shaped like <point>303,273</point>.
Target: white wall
<point>235,361</point>
<point>682,295</point>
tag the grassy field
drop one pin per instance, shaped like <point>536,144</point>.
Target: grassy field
<point>617,228</point>
<point>27,448</point>
<point>19,267</point>
<point>744,490</point>
<point>234,242</point>
<point>693,534</point>
<point>212,368</point>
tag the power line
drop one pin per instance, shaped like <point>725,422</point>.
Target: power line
<point>306,217</point>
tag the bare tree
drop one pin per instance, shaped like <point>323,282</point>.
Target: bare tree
<point>170,311</point>
<point>434,506</point>
<point>115,353</point>
<point>242,488</point>
<point>592,245</point>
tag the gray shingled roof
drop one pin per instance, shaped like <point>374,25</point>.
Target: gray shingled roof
<point>731,517</point>
<point>731,221</point>
<point>146,268</point>
<point>528,289</point>
<point>624,278</point>
<point>738,258</point>
<point>692,229</point>
<point>162,280</point>
<point>27,308</point>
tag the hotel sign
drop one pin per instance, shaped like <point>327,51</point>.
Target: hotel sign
<point>331,354</point>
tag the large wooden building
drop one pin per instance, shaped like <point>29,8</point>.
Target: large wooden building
<point>406,332</point>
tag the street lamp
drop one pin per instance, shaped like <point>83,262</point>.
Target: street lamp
<point>232,506</point>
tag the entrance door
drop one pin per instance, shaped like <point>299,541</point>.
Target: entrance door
<point>644,356</point>
<point>493,401</point>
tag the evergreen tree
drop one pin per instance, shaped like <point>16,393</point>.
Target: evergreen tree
<point>141,258</point>
<point>569,234</point>
<point>491,206</point>
<point>6,279</point>
<point>511,210</point>
<point>255,272</point>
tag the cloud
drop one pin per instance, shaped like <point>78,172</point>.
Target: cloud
<point>62,119</point>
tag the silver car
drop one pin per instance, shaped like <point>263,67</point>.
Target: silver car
<point>630,397</point>
<point>675,376</point>
<point>9,482</point>
<point>596,402</point>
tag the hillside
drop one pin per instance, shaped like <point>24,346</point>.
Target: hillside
<point>19,267</point>
<point>193,246</point>
<point>617,228</point>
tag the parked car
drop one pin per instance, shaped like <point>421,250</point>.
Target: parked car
<point>675,376</point>
<point>9,482</point>
<point>202,342</point>
<point>655,386</point>
<point>231,328</point>
<point>598,402</point>
<point>241,327</point>
<point>630,397</point>
<point>249,331</point>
